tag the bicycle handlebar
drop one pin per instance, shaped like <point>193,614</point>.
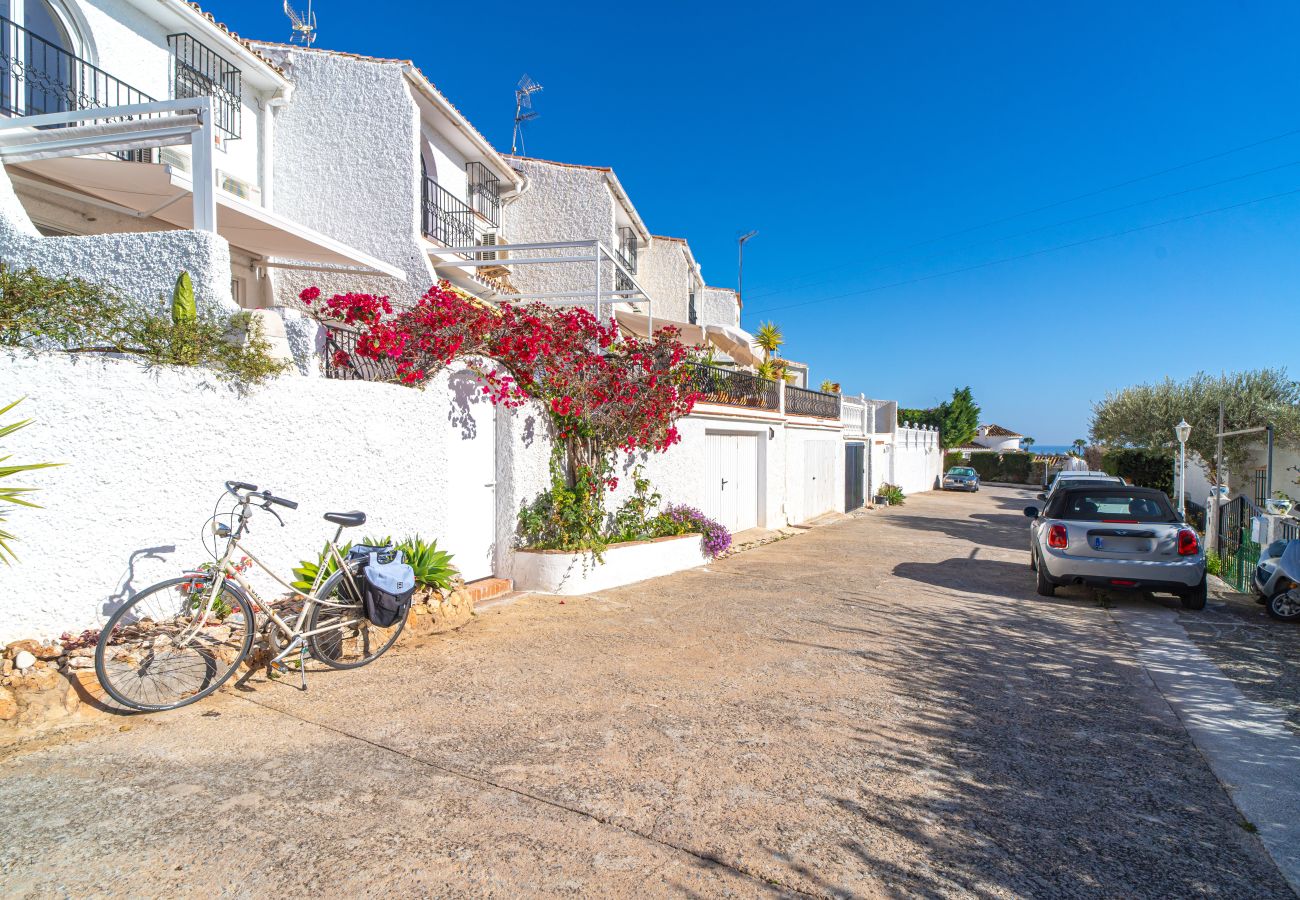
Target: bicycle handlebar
<point>266,496</point>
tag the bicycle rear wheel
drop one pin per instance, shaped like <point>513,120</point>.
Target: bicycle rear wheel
<point>351,640</point>
<point>153,655</point>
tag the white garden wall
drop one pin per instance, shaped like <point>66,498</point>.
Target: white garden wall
<point>146,451</point>
<point>915,459</point>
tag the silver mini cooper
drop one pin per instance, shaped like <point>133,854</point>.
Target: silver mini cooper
<point>1115,537</point>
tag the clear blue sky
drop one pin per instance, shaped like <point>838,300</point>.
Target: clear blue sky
<point>858,138</point>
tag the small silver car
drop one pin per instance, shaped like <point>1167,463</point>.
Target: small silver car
<point>1277,590</point>
<point>1115,537</point>
<point>961,478</point>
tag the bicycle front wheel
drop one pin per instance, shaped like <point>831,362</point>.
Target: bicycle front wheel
<point>345,638</point>
<point>160,652</point>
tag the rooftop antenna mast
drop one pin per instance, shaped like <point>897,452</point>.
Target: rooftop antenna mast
<point>304,26</point>
<point>524,111</point>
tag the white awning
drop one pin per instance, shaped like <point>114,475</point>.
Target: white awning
<point>736,343</point>
<point>163,192</point>
<point>639,326</point>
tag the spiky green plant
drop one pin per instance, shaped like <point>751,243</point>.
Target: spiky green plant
<point>769,337</point>
<point>308,569</point>
<point>14,495</point>
<point>432,566</point>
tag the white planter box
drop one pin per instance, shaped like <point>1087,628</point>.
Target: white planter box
<point>557,572</point>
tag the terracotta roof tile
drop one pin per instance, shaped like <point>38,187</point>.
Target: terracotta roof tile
<point>999,431</point>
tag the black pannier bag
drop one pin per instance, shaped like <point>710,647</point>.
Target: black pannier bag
<point>386,589</point>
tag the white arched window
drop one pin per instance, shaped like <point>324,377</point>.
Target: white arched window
<point>43,58</point>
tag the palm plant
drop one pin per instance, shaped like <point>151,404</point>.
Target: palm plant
<point>14,495</point>
<point>1079,445</point>
<point>1028,442</point>
<point>769,337</point>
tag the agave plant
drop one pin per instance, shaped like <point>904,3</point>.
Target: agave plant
<point>308,569</point>
<point>14,495</point>
<point>432,566</point>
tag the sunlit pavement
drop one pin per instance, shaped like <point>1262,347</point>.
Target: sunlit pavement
<point>879,707</point>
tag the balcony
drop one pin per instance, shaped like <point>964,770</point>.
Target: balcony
<point>38,77</point>
<point>445,217</point>
<point>803,402</point>
<point>198,71</point>
<point>484,190</point>
<point>731,388</point>
<point>626,254</point>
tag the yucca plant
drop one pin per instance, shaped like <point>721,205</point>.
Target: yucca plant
<point>432,566</point>
<point>14,495</point>
<point>769,337</point>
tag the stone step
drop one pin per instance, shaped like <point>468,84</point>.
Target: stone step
<point>489,589</point>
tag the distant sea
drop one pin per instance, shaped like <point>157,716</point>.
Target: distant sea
<point>1050,449</point>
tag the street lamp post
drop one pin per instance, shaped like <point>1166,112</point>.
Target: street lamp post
<point>740,267</point>
<point>1182,431</point>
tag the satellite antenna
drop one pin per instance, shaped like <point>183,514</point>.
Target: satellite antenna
<point>304,26</point>
<point>524,111</point>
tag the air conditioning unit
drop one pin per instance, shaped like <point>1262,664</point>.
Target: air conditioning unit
<point>240,188</point>
<point>490,239</point>
<point>177,159</point>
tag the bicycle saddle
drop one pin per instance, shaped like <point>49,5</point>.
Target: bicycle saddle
<point>347,519</point>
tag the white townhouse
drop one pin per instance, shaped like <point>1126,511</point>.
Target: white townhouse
<point>373,154</point>
<point>137,141</point>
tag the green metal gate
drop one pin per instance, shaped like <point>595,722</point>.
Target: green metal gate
<point>1239,554</point>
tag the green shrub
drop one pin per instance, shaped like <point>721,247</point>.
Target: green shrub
<point>987,464</point>
<point>1142,467</point>
<point>891,494</point>
<point>953,458</point>
<point>1213,564</point>
<point>568,517</point>
<point>40,312</point>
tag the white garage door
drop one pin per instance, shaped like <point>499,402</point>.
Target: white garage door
<point>819,477</point>
<point>731,480</point>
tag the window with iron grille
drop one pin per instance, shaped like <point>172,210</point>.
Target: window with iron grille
<point>691,309</point>
<point>627,247</point>
<point>484,192</point>
<point>198,71</point>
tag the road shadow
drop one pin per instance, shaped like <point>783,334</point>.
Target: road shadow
<point>1004,530</point>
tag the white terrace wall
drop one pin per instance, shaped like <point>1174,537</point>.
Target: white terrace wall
<point>915,459</point>
<point>717,306</point>
<point>145,454</point>
<point>141,266</point>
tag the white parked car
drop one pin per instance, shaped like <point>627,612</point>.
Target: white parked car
<point>1115,537</point>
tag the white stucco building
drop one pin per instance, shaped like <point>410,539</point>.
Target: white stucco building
<point>119,198</point>
<point>997,438</point>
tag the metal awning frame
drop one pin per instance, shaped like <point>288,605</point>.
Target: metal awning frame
<point>596,254</point>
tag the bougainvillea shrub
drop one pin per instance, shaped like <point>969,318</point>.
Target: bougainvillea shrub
<point>602,391</point>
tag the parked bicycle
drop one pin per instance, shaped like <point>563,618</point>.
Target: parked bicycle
<point>176,642</point>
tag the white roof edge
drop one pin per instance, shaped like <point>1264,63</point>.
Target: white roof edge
<point>214,32</point>
<point>448,109</point>
<point>616,186</point>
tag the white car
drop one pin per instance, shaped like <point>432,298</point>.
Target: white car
<point>1115,537</point>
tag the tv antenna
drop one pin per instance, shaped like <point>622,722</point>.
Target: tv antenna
<point>524,111</point>
<point>304,26</point>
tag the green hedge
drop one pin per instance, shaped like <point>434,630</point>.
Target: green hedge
<point>1142,467</point>
<point>953,458</point>
<point>1014,466</point>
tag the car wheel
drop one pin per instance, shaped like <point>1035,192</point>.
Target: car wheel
<point>1194,598</point>
<point>1044,585</point>
<point>1284,606</point>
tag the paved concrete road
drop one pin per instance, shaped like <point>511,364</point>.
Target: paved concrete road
<point>877,708</point>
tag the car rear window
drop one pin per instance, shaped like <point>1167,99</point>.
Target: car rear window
<point>1113,506</point>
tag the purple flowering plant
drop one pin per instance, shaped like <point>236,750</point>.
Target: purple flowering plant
<point>681,519</point>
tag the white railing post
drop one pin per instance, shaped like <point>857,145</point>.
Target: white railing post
<point>204,175</point>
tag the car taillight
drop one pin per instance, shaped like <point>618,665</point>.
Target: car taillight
<point>1188,542</point>
<point>1057,537</point>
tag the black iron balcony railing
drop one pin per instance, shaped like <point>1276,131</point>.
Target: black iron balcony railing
<point>350,367</point>
<point>730,387</point>
<point>484,191</point>
<point>803,402</point>
<point>38,77</point>
<point>198,71</point>
<point>445,217</point>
